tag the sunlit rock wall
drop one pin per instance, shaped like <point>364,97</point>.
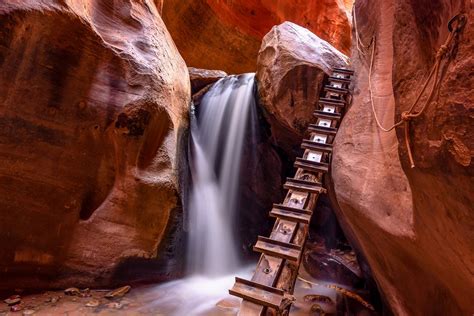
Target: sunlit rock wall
<point>226,35</point>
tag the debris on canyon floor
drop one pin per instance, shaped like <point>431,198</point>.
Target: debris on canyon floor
<point>13,300</point>
<point>318,298</point>
<point>74,301</point>
<point>118,292</point>
<point>72,291</point>
<point>93,303</point>
<point>322,298</point>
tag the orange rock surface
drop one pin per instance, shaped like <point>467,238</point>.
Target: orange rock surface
<point>414,226</point>
<point>226,35</point>
<point>93,101</point>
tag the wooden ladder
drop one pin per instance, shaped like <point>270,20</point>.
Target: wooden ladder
<point>270,290</point>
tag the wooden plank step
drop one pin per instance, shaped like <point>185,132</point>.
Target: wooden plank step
<point>311,166</point>
<point>303,186</point>
<point>312,145</point>
<point>327,115</point>
<point>257,293</point>
<point>292,214</point>
<point>277,248</point>
<point>343,80</point>
<point>332,102</point>
<point>322,129</point>
<point>323,99</point>
<point>336,90</point>
<point>343,71</point>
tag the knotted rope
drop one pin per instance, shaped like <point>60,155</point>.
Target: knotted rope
<point>409,115</point>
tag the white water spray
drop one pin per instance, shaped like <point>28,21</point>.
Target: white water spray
<point>217,140</point>
<point>219,130</point>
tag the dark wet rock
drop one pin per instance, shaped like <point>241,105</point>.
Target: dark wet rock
<point>334,266</point>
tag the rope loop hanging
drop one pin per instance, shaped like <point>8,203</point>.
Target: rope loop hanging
<point>455,26</point>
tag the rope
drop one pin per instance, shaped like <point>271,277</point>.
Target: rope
<point>359,43</point>
<point>407,116</point>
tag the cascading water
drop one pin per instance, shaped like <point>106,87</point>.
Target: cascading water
<point>220,126</point>
<point>217,139</point>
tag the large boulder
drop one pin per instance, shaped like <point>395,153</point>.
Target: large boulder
<point>291,66</point>
<point>227,34</point>
<point>414,226</point>
<point>93,105</point>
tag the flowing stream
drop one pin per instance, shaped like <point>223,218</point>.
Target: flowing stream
<point>217,140</point>
<point>219,127</point>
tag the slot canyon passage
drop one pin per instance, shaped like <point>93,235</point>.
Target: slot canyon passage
<point>211,157</point>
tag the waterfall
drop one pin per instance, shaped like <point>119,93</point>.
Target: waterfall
<point>222,125</point>
<point>218,130</point>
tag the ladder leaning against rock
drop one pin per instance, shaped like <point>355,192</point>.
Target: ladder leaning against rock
<point>270,290</point>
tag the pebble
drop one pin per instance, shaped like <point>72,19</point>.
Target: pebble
<point>12,300</point>
<point>72,291</point>
<point>16,308</point>
<point>115,305</point>
<point>85,293</point>
<point>28,312</point>
<point>93,303</point>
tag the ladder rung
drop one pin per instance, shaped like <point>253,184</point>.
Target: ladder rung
<point>277,248</point>
<point>291,209</point>
<point>312,145</point>
<point>327,115</point>
<point>336,90</point>
<point>336,102</point>
<point>343,70</point>
<point>257,293</point>
<point>332,102</point>
<point>303,186</point>
<point>291,213</point>
<point>344,80</point>
<point>321,129</point>
<point>311,166</point>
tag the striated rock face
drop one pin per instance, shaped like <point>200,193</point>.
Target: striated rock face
<point>93,103</point>
<point>414,226</point>
<point>227,34</point>
<point>291,65</point>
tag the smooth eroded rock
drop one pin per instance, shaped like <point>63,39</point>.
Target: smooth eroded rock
<point>414,226</point>
<point>291,65</point>
<point>201,78</point>
<point>93,104</point>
